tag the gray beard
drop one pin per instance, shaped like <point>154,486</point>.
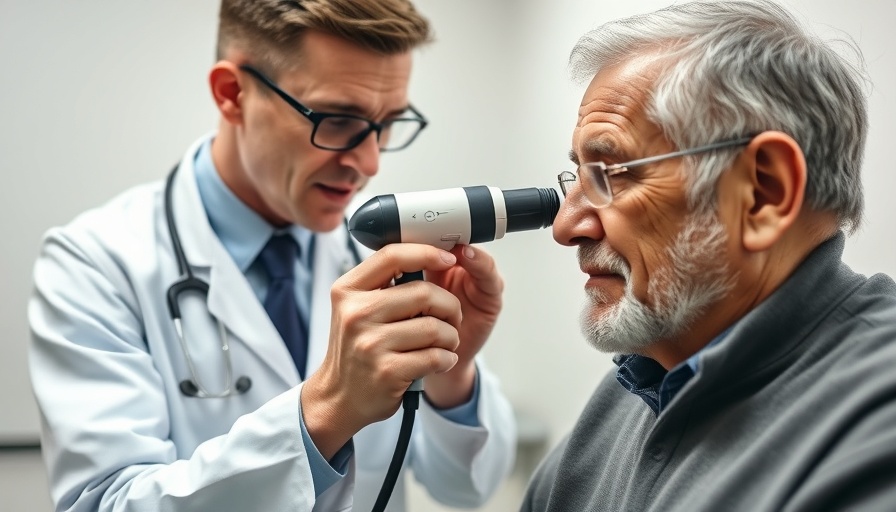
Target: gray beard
<point>695,278</point>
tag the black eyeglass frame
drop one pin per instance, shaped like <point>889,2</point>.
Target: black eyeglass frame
<point>610,170</point>
<point>317,118</point>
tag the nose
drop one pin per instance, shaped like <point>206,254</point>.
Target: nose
<point>365,157</point>
<point>577,221</point>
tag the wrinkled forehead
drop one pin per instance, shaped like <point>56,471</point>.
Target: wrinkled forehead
<point>613,110</point>
<point>620,89</point>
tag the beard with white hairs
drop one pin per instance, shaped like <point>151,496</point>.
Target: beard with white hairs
<point>695,277</point>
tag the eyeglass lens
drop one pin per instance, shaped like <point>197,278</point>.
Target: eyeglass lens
<point>593,178</point>
<point>339,132</point>
<point>596,182</point>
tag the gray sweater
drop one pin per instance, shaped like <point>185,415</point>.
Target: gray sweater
<point>795,410</point>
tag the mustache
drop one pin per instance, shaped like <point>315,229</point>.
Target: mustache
<point>599,255</point>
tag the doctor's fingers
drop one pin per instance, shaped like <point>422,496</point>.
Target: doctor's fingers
<point>391,261</point>
<point>419,333</point>
<point>417,364</point>
<point>397,303</point>
<point>409,350</point>
<point>390,356</point>
<point>480,265</point>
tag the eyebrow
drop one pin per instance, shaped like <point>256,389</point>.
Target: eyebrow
<point>601,145</point>
<point>348,108</point>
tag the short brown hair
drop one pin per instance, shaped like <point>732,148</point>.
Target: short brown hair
<point>268,29</point>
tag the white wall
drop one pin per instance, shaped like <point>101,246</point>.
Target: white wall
<point>98,95</point>
<point>95,96</point>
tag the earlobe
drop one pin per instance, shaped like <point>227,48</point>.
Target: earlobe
<point>224,81</point>
<point>777,169</point>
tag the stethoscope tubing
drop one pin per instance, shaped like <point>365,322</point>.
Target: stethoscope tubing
<point>188,282</point>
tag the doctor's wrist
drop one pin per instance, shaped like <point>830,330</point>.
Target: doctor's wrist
<point>325,419</point>
<point>452,388</point>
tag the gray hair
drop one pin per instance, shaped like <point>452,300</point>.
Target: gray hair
<point>735,68</point>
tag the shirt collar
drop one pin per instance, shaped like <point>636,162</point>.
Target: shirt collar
<point>694,360</point>
<point>241,230</point>
<point>644,377</point>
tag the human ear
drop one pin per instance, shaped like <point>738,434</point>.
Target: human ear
<point>775,170</point>
<point>224,81</point>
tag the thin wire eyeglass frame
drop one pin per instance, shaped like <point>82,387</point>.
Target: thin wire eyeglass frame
<point>605,171</point>
<point>317,118</point>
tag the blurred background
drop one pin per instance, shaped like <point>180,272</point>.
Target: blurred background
<point>96,96</point>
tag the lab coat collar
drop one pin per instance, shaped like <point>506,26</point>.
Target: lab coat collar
<point>230,298</point>
<point>189,215</point>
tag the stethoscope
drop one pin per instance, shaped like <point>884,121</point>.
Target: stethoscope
<point>188,282</point>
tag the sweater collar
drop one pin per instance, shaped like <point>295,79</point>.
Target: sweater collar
<point>766,336</point>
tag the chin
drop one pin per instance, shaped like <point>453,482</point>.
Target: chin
<point>323,223</point>
<point>600,298</point>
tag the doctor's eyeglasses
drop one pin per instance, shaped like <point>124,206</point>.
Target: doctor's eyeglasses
<point>595,176</point>
<point>342,132</point>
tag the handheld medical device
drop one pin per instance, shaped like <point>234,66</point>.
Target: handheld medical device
<point>444,218</point>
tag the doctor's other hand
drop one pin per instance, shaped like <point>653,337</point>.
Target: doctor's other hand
<point>382,338</point>
<point>476,283</point>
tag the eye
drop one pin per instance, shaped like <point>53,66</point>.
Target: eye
<point>623,181</point>
<point>622,173</point>
<point>339,122</point>
<point>632,173</point>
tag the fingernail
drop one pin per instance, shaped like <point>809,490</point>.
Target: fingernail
<point>448,258</point>
<point>469,253</point>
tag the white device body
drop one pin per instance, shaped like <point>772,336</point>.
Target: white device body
<point>442,217</point>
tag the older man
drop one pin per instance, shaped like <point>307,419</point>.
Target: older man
<point>718,152</point>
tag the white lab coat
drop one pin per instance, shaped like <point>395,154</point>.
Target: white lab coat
<point>117,434</point>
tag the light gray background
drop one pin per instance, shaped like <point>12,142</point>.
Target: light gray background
<point>97,96</point>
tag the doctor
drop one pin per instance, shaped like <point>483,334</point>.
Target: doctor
<point>222,408</point>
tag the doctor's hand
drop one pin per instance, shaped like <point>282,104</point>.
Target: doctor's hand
<point>478,286</point>
<point>382,338</point>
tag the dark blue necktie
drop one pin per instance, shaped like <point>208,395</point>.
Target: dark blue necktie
<point>279,259</point>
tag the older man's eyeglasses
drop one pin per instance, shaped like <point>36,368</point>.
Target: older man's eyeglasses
<point>595,176</point>
<point>342,132</point>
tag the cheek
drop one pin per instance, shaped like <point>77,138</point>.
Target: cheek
<point>643,241</point>
<point>654,261</point>
<point>303,167</point>
<point>277,135</point>
<point>286,160</point>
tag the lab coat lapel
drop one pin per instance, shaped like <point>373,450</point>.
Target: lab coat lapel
<point>230,298</point>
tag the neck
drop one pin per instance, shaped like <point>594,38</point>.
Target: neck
<point>757,276</point>
<point>229,163</point>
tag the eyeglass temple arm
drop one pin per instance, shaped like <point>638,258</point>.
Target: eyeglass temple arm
<point>302,108</point>
<point>420,116</point>
<point>279,92</point>
<point>684,152</point>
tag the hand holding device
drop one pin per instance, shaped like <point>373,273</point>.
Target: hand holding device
<point>378,343</point>
<point>445,218</point>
